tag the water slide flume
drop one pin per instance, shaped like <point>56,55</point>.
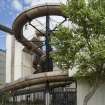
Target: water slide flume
<point>29,15</point>
<point>26,17</point>
<point>55,78</point>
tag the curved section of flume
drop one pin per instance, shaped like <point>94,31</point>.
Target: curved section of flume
<point>28,16</point>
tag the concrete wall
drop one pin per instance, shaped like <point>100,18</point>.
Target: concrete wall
<point>19,63</point>
<point>18,60</point>
<point>27,68</point>
<point>83,89</point>
<point>9,57</point>
<point>23,62</point>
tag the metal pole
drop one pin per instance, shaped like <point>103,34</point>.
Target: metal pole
<point>47,94</point>
<point>48,46</point>
<point>47,36</point>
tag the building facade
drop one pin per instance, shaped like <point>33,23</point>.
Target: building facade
<point>2,66</point>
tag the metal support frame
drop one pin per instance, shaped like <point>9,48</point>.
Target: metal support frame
<point>58,25</point>
<point>36,28</point>
<point>47,64</point>
<point>48,60</point>
<point>47,36</point>
<point>48,47</point>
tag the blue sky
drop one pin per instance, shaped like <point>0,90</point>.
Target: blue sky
<point>9,9</point>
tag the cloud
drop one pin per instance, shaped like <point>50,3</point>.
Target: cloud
<point>35,2</point>
<point>17,5</point>
<point>28,1</point>
<point>32,3</point>
<point>2,3</point>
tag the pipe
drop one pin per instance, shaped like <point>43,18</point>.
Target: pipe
<point>6,29</point>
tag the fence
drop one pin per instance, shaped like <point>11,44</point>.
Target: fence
<point>48,96</point>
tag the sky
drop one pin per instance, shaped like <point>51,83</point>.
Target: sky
<point>9,9</point>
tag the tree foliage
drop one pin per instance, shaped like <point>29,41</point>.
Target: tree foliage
<point>82,46</point>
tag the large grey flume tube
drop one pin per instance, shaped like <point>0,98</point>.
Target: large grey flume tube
<point>58,77</point>
<point>28,15</point>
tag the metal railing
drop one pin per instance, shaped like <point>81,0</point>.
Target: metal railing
<point>48,96</point>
